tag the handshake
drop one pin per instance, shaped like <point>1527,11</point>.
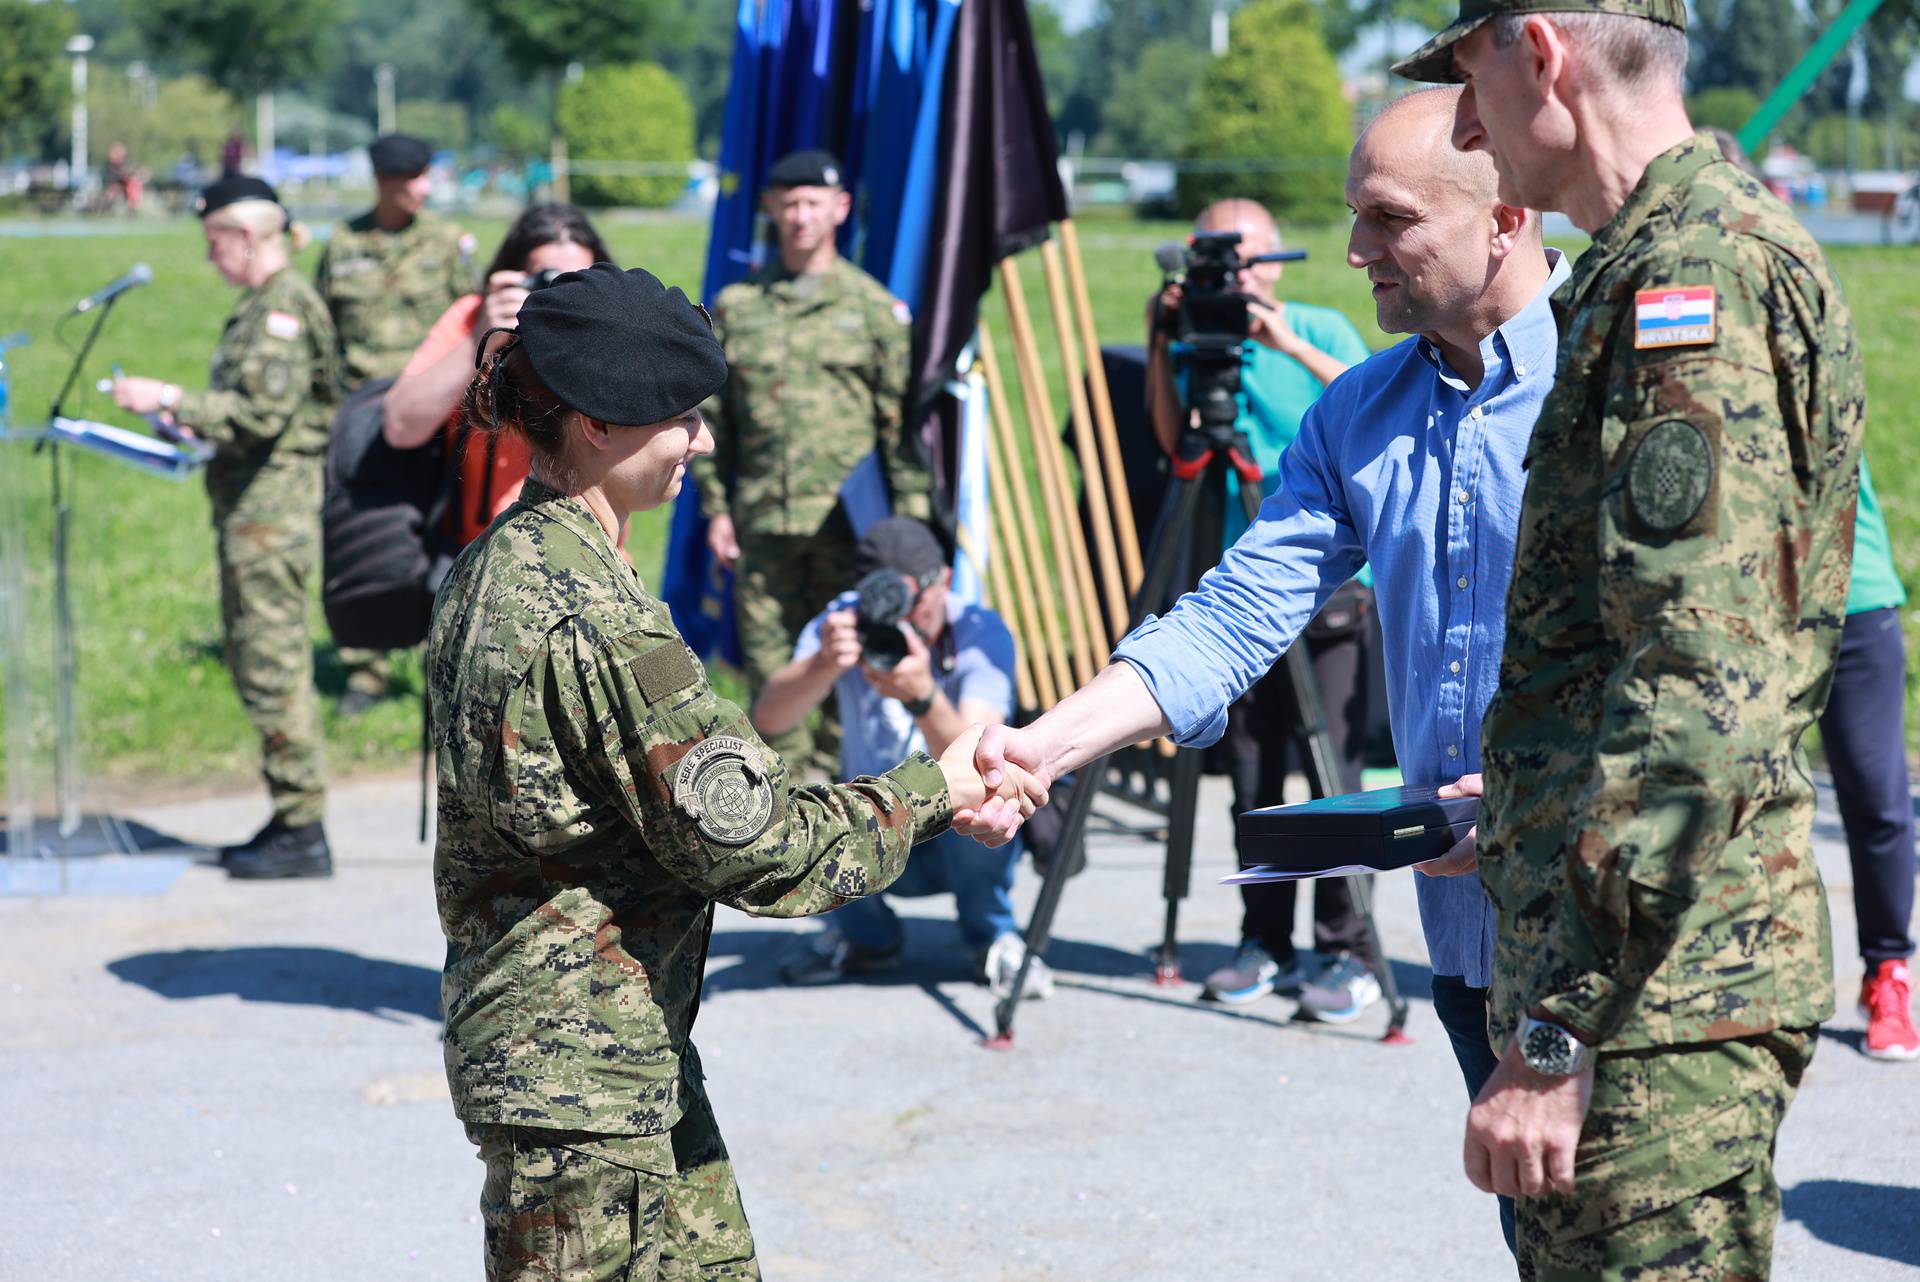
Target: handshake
<point>997,779</point>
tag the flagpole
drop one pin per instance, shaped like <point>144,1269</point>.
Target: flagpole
<point>1082,607</point>
<point>1090,470</point>
<point>1003,464</point>
<point>1096,366</point>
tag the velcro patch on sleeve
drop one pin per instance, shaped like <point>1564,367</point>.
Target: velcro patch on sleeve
<point>1681,316</point>
<point>283,325</point>
<point>662,671</point>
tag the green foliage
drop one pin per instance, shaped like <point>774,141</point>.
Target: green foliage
<point>33,69</point>
<point>1152,101</point>
<point>1273,102</point>
<point>1344,20</point>
<point>444,124</point>
<point>539,35</point>
<point>160,122</point>
<point>1748,44</point>
<point>1110,44</point>
<point>1727,107</point>
<point>1825,141</point>
<point>244,46</point>
<point>633,113</point>
<point>516,133</point>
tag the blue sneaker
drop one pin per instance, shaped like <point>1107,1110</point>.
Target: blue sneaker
<point>1340,992</point>
<point>1251,975</point>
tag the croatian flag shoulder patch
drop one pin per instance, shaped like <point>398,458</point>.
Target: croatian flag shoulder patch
<point>1681,316</point>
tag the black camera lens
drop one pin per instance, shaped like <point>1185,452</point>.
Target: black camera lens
<point>885,600</point>
<point>540,279</point>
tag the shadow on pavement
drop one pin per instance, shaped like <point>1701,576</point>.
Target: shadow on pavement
<point>1873,1219</point>
<point>293,976</point>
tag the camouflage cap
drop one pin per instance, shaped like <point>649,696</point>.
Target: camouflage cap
<point>1433,61</point>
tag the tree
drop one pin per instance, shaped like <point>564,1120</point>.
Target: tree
<point>1152,102</point>
<point>1111,43</point>
<point>163,121</point>
<point>244,46</point>
<point>443,124</point>
<point>623,115</point>
<point>1744,44</point>
<point>1271,115</point>
<point>540,35</point>
<point>1726,108</point>
<point>516,134</point>
<point>33,69</point>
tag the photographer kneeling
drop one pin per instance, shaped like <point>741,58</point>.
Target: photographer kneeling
<point>911,674</point>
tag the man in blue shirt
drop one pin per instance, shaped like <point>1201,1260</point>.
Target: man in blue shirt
<point>1412,461</point>
<point>1295,350</point>
<point>958,671</point>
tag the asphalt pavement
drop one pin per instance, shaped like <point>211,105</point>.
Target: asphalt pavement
<point>243,1081</point>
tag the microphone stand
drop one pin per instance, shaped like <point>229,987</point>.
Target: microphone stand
<point>66,782</point>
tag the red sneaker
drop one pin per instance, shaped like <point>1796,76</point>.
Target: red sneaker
<point>1887,995</point>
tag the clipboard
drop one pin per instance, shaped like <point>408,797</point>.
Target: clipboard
<point>148,453</point>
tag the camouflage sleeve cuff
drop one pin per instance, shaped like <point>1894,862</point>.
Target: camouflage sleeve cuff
<point>206,412</point>
<point>1593,1008</point>
<point>924,785</point>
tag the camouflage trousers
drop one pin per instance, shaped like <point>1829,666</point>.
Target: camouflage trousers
<point>1674,1175</point>
<point>781,582</point>
<point>577,1206</point>
<point>267,556</point>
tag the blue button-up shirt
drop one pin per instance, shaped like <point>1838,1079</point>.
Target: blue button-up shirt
<point>1402,465</point>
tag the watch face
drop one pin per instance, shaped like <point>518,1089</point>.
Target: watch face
<point>1548,1049</point>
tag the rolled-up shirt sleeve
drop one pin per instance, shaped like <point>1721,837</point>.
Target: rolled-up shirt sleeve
<point>1227,633</point>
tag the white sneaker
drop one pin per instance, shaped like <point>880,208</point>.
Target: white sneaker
<point>1340,992</point>
<point>1001,963</point>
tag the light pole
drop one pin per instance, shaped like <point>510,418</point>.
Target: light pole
<point>79,47</point>
<point>383,98</point>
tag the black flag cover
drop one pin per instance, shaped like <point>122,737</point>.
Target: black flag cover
<point>1001,191</point>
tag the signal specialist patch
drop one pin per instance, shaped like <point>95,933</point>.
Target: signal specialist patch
<point>1682,316</point>
<point>724,790</point>
<point>1670,475</point>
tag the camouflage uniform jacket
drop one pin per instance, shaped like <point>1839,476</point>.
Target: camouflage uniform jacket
<point>595,798</point>
<point>817,380</point>
<point>1679,588</point>
<point>272,391</point>
<point>387,288</point>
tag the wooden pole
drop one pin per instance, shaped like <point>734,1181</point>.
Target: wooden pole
<point>1008,477</point>
<point>1124,529</point>
<point>995,594</point>
<point>1083,441</point>
<point>1069,546</point>
<point>1017,590</point>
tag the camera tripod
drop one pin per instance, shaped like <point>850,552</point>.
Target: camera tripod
<point>1192,518</point>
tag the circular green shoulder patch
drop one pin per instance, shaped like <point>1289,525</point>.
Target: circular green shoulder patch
<point>275,378</point>
<point>724,791</point>
<point>1670,475</point>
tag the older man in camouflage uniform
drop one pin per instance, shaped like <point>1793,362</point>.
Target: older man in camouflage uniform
<point>817,353</point>
<point>1663,952</point>
<point>386,277</point>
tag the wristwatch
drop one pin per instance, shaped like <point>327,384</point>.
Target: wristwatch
<point>169,396</point>
<point>918,708</point>
<point>1552,1050</point>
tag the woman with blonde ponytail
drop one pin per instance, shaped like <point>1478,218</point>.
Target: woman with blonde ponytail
<point>265,412</point>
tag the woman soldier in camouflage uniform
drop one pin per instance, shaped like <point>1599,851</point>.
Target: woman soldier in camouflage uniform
<point>596,799</point>
<point>265,415</point>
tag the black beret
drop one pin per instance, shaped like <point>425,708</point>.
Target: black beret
<point>812,168</point>
<point>232,190</point>
<point>400,154</point>
<point>900,543</point>
<point>621,347</point>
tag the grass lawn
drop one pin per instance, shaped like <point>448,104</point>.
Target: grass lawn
<point>155,704</point>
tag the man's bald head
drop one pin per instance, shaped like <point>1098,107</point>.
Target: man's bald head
<point>1413,137</point>
<point>1248,217</point>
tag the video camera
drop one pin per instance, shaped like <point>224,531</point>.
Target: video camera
<point>1213,323</point>
<point>885,602</point>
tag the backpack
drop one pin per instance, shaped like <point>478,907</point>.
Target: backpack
<point>383,549</point>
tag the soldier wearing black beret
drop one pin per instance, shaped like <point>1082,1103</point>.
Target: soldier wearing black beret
<point>386,277</point>
<point>819,353</point>
<point>596,798</point>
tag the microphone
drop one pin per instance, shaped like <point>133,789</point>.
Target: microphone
<point>1170,257</point>
<point>138,276</point>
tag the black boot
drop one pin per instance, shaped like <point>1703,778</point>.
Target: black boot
<point>228,852</point>
<point>289,852</point>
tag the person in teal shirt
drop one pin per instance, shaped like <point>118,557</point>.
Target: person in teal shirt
<point>1296,351</point>
<point>1864,732</point>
